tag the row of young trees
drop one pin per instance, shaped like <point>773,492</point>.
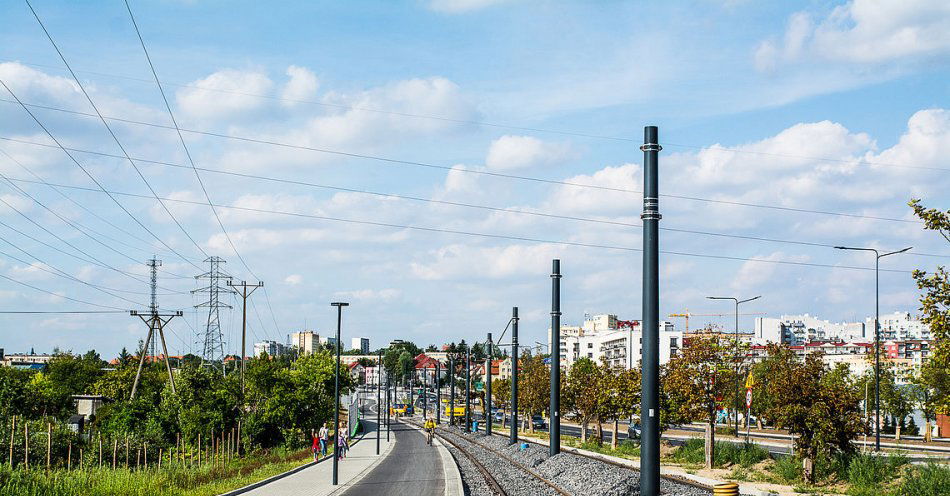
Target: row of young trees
<point>284,399</point>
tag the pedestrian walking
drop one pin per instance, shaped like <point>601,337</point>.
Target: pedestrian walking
<point>342,444</point>
<point>315,446</point>
<point>324,438</point>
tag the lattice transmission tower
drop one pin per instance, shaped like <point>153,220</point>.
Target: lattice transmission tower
<point>153,265</point>
<point>213,340</point>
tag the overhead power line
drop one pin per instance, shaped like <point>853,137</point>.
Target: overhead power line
<point>447,168</point>
<point>184,146</point>
<point>498,236</point>
<point>579,134</point>
<point>64,312</point>
<point>85,209</point>
<point>114,138</point>
<point>509,210</point>
<point>35,288</point>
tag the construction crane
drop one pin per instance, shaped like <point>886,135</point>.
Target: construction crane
<point>686,315</point>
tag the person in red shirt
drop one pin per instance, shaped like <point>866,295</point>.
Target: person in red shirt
<point>315,446</point>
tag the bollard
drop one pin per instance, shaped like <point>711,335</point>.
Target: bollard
<point>726,489</point>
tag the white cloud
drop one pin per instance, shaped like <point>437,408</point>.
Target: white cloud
<point>302,85</point>
<point>753,274</point>
<point>497,262</point>
<point>460,6</point>
<point>293,279</point>
<point>387,294</point>
<point>233,99</point>
<point>575,199</point>
<point>862,32</point>
<point>517,152</point>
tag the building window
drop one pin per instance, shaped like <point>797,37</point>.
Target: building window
<point>590,345</point>
<point>590,355</point>
<point>673,343</point>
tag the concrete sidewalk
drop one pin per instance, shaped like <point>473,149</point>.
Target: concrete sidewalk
<point>315,478</point>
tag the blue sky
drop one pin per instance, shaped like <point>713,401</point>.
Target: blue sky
<point>808,106</point>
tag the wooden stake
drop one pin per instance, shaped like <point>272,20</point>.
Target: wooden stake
<point>160,452</point>
<point>115,451</point>
<point>239,439</point>
<point>12,432</point>
<point>80,459</point>
<point>145,449</point>
<point>69,457</point>
<point>138,458</point>
<point>49,443</point>
<point>100,450</point>
<point>26,443</point>
<point>199,450</point>
<point>126,452</point>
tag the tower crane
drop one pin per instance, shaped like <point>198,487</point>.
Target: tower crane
<point>686,315</point>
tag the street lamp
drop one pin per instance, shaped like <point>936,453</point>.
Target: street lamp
<point>877,335</point>
<point>737,301</point>
<point>336,393</point>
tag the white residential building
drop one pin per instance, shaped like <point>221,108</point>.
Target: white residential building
<point>899,326</point>
<point>272,348</point>
<point>604,338</point>
<point>306,342</point>
<point>361,344</point>
<point>796,330</point>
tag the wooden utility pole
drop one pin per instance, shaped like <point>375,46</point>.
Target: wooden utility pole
<point>244,292</point>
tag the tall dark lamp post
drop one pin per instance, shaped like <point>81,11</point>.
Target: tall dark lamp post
<point>737,301</point>
<point>336,392</point>
<point>877,335</point>
<point>379,388</point>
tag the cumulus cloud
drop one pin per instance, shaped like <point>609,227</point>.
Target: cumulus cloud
<point>293,279</point>
<point>578,199</point>
<point>862,31</point>
<point>302,85</point>
<point>233,98</point>
<point>517,152</point>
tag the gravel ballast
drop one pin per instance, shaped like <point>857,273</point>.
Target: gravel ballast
<point>575,474</point>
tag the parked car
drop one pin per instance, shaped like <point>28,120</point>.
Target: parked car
<point>537,422</point>
<point>498,416</point>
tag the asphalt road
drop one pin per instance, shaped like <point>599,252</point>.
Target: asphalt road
<point>411,468</point>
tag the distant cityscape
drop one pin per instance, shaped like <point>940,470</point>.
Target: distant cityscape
<point>605,337</point>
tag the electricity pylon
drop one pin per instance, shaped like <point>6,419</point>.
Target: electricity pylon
<point>213,346</point>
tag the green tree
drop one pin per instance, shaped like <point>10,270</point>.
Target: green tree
<point>695,380</point>
<point>584,392</point>
<point>534,382</point>
<point>817,404</point>
<point>15,397</point>
<point>935,306</point>
<point>621,396</point>
<point>921,396</point>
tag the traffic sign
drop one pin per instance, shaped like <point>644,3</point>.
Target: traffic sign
<point>750,381</point>
<point>748,398</point>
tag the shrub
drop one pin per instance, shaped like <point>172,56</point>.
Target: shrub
<point>926,481</point>
<point>788,469</point>
<point>746,455</point>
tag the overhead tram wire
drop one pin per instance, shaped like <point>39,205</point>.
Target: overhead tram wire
<point>501,236</point>
<point>87,210</point>
<point>497,209</point>
<point>412,163</point>
<point>184,146</point>
<point>118,143</point>
<point>579,134</point>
